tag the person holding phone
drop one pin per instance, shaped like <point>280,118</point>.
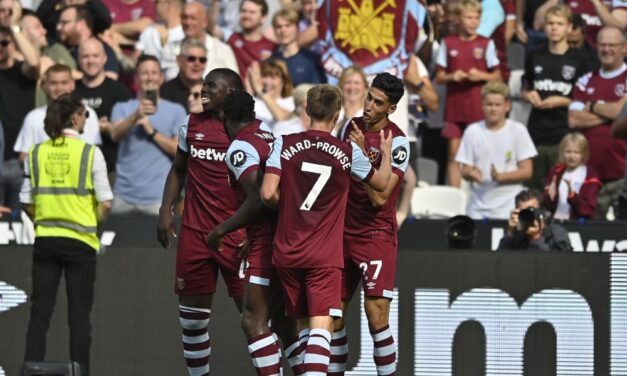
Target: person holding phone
<point>147,129</point>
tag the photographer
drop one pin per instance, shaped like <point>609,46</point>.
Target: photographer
<point>529,227</point>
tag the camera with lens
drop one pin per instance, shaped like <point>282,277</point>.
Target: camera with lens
<point>527,216</point>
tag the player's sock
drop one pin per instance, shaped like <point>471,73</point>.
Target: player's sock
<point>339,353</point>
<point>303,337</point>
<point>384,351</point>
<point>196,345</point>
<point>318,352</point>
<point>294,354</point>
<point>278,346</point>
<point>264,353</point>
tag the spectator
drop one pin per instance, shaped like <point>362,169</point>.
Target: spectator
<point>75,26</point>
<point>465,62</point>
<point>597,101</point>
<point>302,64</point>
<point>147,131</point>
<point>194,100</point>
<point>550,75</point>
<point>36,34</point>
<point>354,85</point>
<point>17,97</point>
<point>250,45</point>
<point>495,156</point>
<point>49,12</point>
<point>572,187</point>
<point>577,39</point>
<point>529,33</point>
<point>191,61</point>
<point>588,11</point>
<point>503,35</point>
<point>273,88</point>
<point>619,130</point>
<point>101,93</point>
<point>163,39</point>
<point>538,234</point>
<point>7,7</point>
<point>299,120</point>
<point>57,81</point>
<point>219,54</point>
<point>130,18</point>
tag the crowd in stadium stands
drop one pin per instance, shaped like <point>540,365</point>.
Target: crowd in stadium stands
<point>138,66</point>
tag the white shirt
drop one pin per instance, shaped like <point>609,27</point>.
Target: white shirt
<point>33,133</point>
<point>262,112</point>
<point>150,43</point>
<point>98,174</point>
<point>482,147</point>
<point>219,55</point>
<point>289,126</point>
<point>576,178</point>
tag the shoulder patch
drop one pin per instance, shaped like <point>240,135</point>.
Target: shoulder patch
<point>238,157</point>
<point>399,155</point>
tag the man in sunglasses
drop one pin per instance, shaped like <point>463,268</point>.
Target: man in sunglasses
<point>192,62</point>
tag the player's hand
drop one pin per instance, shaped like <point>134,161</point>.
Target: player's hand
<point>494,173</point>
<point>551,189</point>
<point>214,240</point>
<point>386,143</point>
<point>357,136</point>
<point>244,249</point>
<point>165,228</point>
<point>534,98</point>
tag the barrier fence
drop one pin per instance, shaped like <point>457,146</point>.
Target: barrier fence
<point>467,312</point>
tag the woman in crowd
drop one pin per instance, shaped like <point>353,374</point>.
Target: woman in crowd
<point>272,87</point>
<point>354,86</point>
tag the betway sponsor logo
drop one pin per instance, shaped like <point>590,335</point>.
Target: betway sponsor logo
<point>563,88</point>
<point>209,154</point>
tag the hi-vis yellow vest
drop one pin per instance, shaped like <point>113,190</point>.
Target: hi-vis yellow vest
<point>61,177</point>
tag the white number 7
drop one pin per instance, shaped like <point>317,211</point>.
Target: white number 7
<point>325,173</point>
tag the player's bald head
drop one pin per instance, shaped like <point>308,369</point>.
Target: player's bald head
<point>229,76</point>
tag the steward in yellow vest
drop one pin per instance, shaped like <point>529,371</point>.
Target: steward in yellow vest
<point>66,193</point>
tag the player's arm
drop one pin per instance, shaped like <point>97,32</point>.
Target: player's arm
<point>379,197</point>
<point>269,191</point>
<point>172,189</point>
<point>377,186</point>
<point>249,212</point>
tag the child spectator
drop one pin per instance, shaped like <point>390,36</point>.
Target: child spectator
<point>572,187</point>
<point>550,75</point>
<point>496,156</point>
<point>465,62</point>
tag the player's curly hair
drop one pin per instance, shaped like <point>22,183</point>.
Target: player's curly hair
<point>239,107</point>
<point>391,85</point>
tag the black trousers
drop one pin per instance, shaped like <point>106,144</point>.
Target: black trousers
<point>51,257</point>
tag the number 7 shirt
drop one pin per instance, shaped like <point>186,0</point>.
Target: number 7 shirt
<point>315,170</point>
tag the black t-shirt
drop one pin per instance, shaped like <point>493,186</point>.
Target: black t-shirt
<point>17,98</point>
<point>175,91</point>
<point>551,74</point>
<point>101,99</point>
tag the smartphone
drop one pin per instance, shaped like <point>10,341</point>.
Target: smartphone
<point>151,95</point>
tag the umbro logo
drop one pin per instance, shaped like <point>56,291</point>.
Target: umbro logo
<point>199,136</point>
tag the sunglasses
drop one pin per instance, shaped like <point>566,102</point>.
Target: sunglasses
<point>195,95</point>
<point>193,59</point>
<point>5,42</point>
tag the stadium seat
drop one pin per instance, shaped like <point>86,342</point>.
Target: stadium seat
<point>50,369</point>
<point>438,202</point>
